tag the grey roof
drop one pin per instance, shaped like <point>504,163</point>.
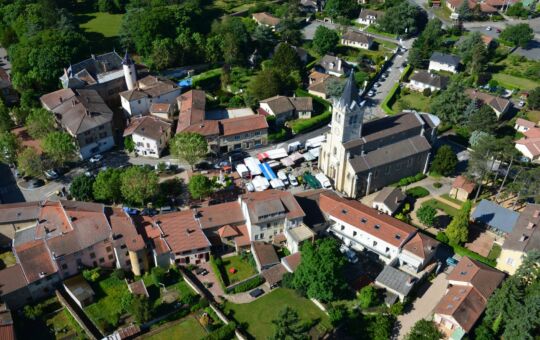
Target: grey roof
<point>88,70</point>
<point>495,216</point>
<point>24,236</point>
<point>390,153</point>
<point>447,59</point>
<point>349,96</point>
<point>391,197</point>
<point>279,104</point>
<point>18,212</point>
<point>395,280</point>
<point>357,37</point>
<point>334,64</point>
<point>431,79</point>
<point>370,13</point>
<point>525,236</point>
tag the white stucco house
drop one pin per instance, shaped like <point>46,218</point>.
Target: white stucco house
<point>150,135</point>
<point>444,62</point>
<point>149,90</point>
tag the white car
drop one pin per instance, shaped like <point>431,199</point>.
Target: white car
<point>521,103</point>
<point>51,174</point>
<point>96,158</point>
<point>250,187</point>
<point>282,175</point>
<point>325,182</point>
<point>293,180</point>
<point>377,85</point>
<point>371,93</point>
<point>488,28</point>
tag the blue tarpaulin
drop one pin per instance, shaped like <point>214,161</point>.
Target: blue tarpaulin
<point>267,171</point>
<point>185,82</point>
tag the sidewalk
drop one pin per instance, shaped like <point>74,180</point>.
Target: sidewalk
<point>244,297</point>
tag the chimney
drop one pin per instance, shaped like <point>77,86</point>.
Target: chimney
<point>61,99</point>
<point>93,56</point>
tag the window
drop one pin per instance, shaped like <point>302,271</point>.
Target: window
<point>110,257</point>
<point>374,243</point>
<point>342,227</point>
<point>261,235</point>
<point>64,266</point>
<point>101,260</point>
<point>123,246</point>
<point>377,226</point>
<point>387,249</point>
<point>354,233</point>
<point>256,237</point>
<point>363,220</point>
<point>92,255</point>
<point>108,249</point>
<point>510,261</point>
<point>127,253</point>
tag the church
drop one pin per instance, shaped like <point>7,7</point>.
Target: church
<point>361,158</point>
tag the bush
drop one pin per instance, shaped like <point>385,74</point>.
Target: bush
<point>287,281</point>
<point>437,185</point>
<point>158,275</point>
<point>426,214</point>
<point>91,275</point>
<point>426,92</point>
<point>397,308</point>
<point>223,333</point>
<point>411,179</point>
<point>337,314</point>
<point>33,312</point>
<point>417,192</point>
<point>390,99</point>
<point>119,274</point>
<point>304,125</point>
<point>203,303</point>
<point>367,296</point>
<point>441,237</point>
<point>248,285</point>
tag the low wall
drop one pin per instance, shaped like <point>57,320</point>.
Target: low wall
<point>86,324</point>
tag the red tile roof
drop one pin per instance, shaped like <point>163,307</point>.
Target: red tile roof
<point>464,304</point>
<point>265,253</point>
<point>421,245</point>
<point>124,231</point>
<point>182,231</point>
<point>389,229</point>
<point>234,126</point>
<point>293,260</point>
<point>461,182</point>
<point>36,262</point>
<point>482,277</point>
<point>191,106</point>
<point>12,279</point>
<point>227,231</point>
<point>220,214</point>
<point>242,240</point>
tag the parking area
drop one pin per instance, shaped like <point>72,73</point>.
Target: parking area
<point>209,280</point>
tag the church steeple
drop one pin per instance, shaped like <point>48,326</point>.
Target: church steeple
<point>349,96</point>
<point>130,73</point>
<point>347,113</point>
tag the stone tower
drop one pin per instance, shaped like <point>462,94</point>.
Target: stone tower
<point>347,114</point>
<point>130,74</point>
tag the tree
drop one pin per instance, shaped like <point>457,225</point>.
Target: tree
<point>517,10</point>
<point>476,137</point>
<point>380,327</point>
<point>235,39</point>
<point>464,12</point>
<point>200,186</point>
<point>265,84</point>
<point>5,120</point>
<point>29,163</point>
<point>458,229</point>
<point>426,214</point>
<point>473,53</point>
<point>424,330</point>
<point>367,296</point>
<point>325,40</point>
<point>288,326</point>
<point>189,146</point>
<point>428,41</point>
<point>107,185</point>
<point>138,184</point>
<point>518,35</point>
<point>286,59</point>
<point>403,19</point>
<point>265,39</point>
<point>334,87</point>
<point>40,123</point>
<point>445,161</point>
<point>482,119</point>
<point>81,188</point>
<point>320,273</point>
<point>533,101</point>
<point>9,145</point>
<point>59,146</point>
<point>342,8</point>
<point>163,54</point>
<point>129,144</point>
<point>140,308</point>
<point>451,103</point>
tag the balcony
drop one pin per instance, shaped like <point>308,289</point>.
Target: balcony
<point>354,242</point>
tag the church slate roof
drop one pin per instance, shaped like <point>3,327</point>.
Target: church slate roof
<point>349,96</point>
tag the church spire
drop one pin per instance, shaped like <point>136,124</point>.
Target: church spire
<point>127,59</point>
<point>350,93</point>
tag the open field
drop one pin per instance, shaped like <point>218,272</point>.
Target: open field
<point>189,328</point>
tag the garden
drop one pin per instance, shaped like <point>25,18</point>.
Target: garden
<point>516,72</point>
<point>411,100</point>
<point>238,268</point>
<point>188,328</point>
<point>258,315</point>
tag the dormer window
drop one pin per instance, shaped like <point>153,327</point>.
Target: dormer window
<point>398,236</point>
<point>344,211</point>
<point>377,226</point>
<point>363,220</point>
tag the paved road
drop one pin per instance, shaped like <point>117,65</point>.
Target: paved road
<point>9,191</point>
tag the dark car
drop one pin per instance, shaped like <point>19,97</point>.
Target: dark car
<point>149,212</point>
<point>167,209</point>
<point>255,293</point>
<point>131,211</point>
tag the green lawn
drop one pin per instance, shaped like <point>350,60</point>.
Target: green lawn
<point>105,24</point>
<point>413,100</point>
<point>372,29</point>
<point>513,82</point>
<point>190,328</point>
<point>107,306</point>
<point>258,315</point>
<point>244,269</point>
<point>64,325</point>
<point>451,199</point>
<point>534,116</point>
<point>7,259</point>
<point>441,206</point>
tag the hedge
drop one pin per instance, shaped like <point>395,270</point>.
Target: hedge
<point>217,272</point>
<point>206,78</point>
<point>304,125</point>
<point>389,100</point>
<point>441,236</point>
<point>409,180</point>
<point>406,72</point>
<point>417,192</point>
<point>223,333</point>
<point>248,285</point>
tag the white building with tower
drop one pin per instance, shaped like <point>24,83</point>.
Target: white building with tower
<point>361,158</point>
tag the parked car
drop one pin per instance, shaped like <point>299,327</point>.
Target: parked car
<point>452,262</point>
<point>35,183</point>
<point>96,158</point>
<point>149,212</point>
<point>293,180</point>
<point>521,103</point>
<point>256,293</point>
<point>50,174</point>
<point>377,85</point>
<point>371,93</point>
<point>498,30</point>
<point>131,211</point>
<point>282,175</point>
<point>325,182</point>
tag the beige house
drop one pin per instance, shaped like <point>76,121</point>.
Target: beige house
<point>357,40</point>
<point>462,188</point>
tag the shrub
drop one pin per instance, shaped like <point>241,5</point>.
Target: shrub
<point>223,333</point>
<point>119,274</point>
<point>437,185</point>
<point>287,281</point>
<point>33,312</point>
<point>417,192</point>
<point>397,308</point>
<point>367,296</point>
<point>426,214</point>
<point>426,92</point>
<point>390,99</point>
<point>91,275</point>
<point>304,125</point>
<point>411,179</point>
<point>158,275</point>
<point>248,285</point>
<point>203,303</point>
<point>215,263</point>
<point>441,237</point>
<point>337,314</point>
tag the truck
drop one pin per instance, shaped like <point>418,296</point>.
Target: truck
<point>310,180</point>
<point>276,183</point>
<point>273,154</point>
<point>252,164</point>
<point>282,175</point>
<point>242,170</point>
<point>315,142</point>
<point>295,146</point>
<point>325,182</point>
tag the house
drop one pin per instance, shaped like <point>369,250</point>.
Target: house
<point>462,188</point>
<point>15,217</point>
<point>523,125</point>
<point>296,236</point>
<point>523,238</point>
<point>147,91</point>
<point>529,145</point>
<point>79,290</point>
<point>499,105</point>
<point>318,83</point>
<point>389,200</point>
<point>488,7</point>
<point>274,275</point>
<point>369,17</point>
<point>356,39</point>
<point>470,284</point>
<point>396,282</point>
<point>361,158</point>
<point>138,288</point>
<point>421,80</point>
<point>264,254</point>
<point>162,111</point>
<point>495,217</point>
<point>285,108</point>
<point>222,135</point>
<point>108,74</point>
<point>149,134</point>
<point>332,65</point>
<point>85,116</point>
<point>7,93</point>
<point>266,19</point>
<point>443,62</point>
<point>361,227</point>
<point>417,254</point>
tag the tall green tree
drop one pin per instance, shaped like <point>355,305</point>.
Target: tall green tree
<point>40,123</point>
<point>5,120</point>
<point>482,119</point>
<point>286,60</point>
<point>265,38</point>
<point>163,54</point>
<point>424,330</point>
<point>288,326</point>
<point>451,103</point>
<point>426,214</point>
<point>325,40</point>
<point>342,8</point>
<point>458,229</point>
<point>428,41</point>
<point>320,272</point>
<point>445,161</point>
<point>138,184</point>
<point>200,186</point>
<point>140,308</point>
<point>533,101</point>
<point>519,34</point>
<point>107,186</point>
<point>265,84</point>
<point>367,296</point>
<point>403,19</point>
<point>29,163</point>
<point>81,188</point>
<point>189,146</point>
<point>59,147</point>
<point>235,40</point>
<point>9,146</point>
<point>473,53</point>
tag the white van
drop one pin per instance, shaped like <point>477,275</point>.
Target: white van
<point>282,175</point>
<point>325,182</point>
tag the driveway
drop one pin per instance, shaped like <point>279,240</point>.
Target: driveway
<point>215,288</point>
<point>429,295</point>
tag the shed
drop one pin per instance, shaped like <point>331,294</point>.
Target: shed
<point>395,281</point>
<point>79,290</point>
